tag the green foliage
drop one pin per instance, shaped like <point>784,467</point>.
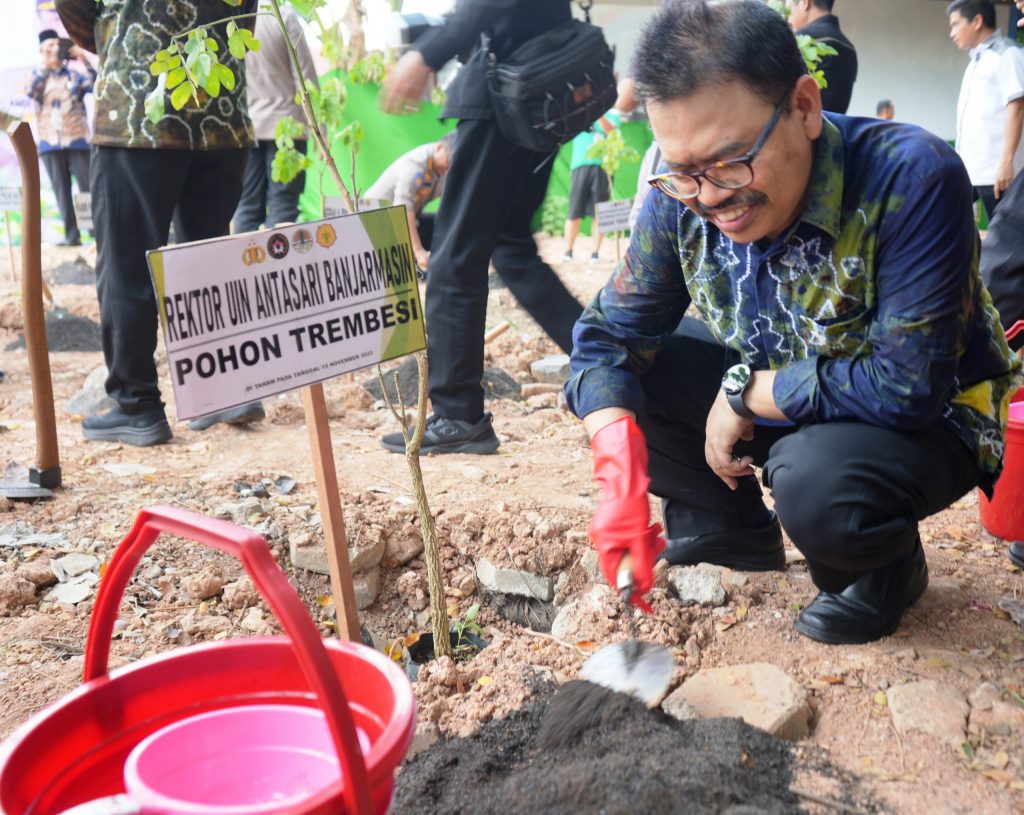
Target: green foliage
<point>553,214</point>
<point>466,623</point>
<point>371,69</point>
<point>813,51</point>
<point>612,151</point>
<point>288,161</point>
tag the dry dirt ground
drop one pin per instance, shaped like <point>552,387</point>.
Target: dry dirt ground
<point>526,507</point>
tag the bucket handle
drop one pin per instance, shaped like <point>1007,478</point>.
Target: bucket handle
<point>270,581</point>
<point>1014,329</point>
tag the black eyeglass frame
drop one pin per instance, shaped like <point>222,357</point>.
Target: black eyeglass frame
<point>747,160</point>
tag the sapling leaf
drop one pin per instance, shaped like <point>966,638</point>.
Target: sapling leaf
<point>158,67</point>
<point>234,3</point>
<point>211,44</point>
<point>175,77</point>
<point>212,86</point>
<point>154,103</point>
<point>180,95</point>
<point>231,27</point>
<point>225,75</point>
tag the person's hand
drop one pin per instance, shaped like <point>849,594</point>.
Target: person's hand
<point>1020,6</point>
<point>422,258</point>
<point>621,523</point>
<point>1004,177</point>
<point>404,86</point>
<point>724,428</point>
<point>74,52</point>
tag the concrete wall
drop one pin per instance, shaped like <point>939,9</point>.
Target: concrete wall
<point>903,46</point>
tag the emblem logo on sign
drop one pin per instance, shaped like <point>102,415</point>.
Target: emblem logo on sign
<point>277,245</point>
<point>302,240</point>
<point>253,254</point>
<point>325,235</point>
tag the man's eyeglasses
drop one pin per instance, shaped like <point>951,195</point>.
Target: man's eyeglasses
<point>730,174</point>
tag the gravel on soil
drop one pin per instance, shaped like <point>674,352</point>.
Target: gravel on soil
<point>66,332</point>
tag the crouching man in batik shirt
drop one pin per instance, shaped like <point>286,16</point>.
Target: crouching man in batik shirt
<point>846,344</point>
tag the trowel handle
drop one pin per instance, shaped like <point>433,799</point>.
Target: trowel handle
<point>624,582</point>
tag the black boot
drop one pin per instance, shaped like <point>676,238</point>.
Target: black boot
<point>142,429</point>
<point>1014,553</point>
<point>871,607</point>
<point>756,549</point>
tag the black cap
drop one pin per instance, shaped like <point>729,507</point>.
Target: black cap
<point>48,34</point>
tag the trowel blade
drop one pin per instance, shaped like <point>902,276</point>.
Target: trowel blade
<point>23,490</point>
<point>641,669</point>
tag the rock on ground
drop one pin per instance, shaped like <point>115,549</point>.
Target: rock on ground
<point>513,581</point>
<point>761,694</point>
<point>367,587</point>
<point>204,584</point>
<point>15,593</point>
<point>929,707</point>
<point>697,585</point>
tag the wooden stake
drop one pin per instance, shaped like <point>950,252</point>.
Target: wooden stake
<point>329,497</point>
<point>10,246</point>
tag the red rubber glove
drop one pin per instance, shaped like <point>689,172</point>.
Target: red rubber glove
<point>622,522</point>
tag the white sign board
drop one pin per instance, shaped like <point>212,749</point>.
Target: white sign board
<point>83,210</point>
<point>10,199</point>
<point>251,315</point>
<point>613,216</point>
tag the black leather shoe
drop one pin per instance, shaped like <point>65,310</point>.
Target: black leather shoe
<point>747,550</point>
<point>241,415</point>
<point>445,435</point>
<point>140,429</point>
<point>869,608</point>
<point>1016,554</point>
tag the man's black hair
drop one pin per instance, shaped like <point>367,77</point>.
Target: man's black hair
<point>885,104</point>
<point>969,9</point>
<point>824,5</point>
<point>691,44</point>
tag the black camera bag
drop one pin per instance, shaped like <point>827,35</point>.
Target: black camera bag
<point>552,87</point>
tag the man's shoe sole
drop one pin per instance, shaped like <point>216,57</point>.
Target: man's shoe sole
<point>136,436</point>
<point>480,447</point>
<point>241,415</point>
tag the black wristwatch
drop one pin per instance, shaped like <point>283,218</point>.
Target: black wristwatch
<point>735,383</point>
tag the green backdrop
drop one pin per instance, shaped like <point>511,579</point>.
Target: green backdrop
<point>388,137</point>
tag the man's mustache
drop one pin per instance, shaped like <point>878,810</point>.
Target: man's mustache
<point>745,199</point>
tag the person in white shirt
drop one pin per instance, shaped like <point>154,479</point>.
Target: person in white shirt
<point>990,111</point>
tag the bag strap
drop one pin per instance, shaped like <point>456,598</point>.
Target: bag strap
<point>585,6</point>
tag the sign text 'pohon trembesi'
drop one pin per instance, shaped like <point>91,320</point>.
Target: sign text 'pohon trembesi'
<point>253,315</point>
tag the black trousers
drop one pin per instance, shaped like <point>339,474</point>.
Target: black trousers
<point>988,199</point>
<point>135,192</point>
<point>265,201</point>
<point>849,494</point>
<point>490,195</point>
<point>425,222</point>
<point>60,166</point>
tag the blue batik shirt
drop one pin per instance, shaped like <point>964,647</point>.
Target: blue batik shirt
<point>869,307</point>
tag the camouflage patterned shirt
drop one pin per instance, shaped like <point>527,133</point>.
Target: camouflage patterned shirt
<point>870,307</point>
<point>127,34</point>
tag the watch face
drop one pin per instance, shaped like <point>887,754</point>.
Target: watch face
<point>736,379</point>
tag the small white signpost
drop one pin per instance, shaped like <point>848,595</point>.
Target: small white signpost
<point>252,315</point>
<point>613,216</point>
<point>83,209</point>
<point>10,201</point>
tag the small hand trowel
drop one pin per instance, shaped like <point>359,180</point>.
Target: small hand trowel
<point>640,669</point>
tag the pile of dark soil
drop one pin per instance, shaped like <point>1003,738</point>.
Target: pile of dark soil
<point>611,755</point>
<point>66,332</point>
<point>76,272</point>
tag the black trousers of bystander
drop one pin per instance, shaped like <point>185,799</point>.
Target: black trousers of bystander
<point>491,193</point>
<point>849,494</point>
<point>134,195</point>
<point>61,165</point>
<point>265,201</point>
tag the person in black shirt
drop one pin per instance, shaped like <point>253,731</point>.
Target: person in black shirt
<point>815,18</point>
<point>490,195</point>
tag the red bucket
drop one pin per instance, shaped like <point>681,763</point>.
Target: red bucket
<point>75,750</point>
<point>1003,516</point>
